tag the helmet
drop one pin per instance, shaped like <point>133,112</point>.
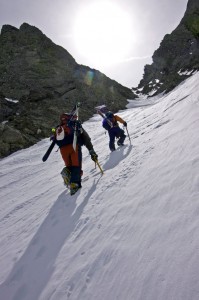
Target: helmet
<point>64,118</point>
<point>109,114</point>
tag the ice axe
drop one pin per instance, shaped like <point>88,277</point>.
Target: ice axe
<point>96,162</point>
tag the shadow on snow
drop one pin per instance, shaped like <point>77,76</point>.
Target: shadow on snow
<point>32,272</point>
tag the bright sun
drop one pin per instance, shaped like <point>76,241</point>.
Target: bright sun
<point>103,33</point>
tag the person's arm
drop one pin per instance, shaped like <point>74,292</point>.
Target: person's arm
<point>86,139</point>
<point>119,119</point>
<point>87,142</point>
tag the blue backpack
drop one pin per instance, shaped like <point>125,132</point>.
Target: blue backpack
<point>106,124</point>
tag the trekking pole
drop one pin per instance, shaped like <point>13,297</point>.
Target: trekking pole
<point>128,135</point>
<point>96,162</point>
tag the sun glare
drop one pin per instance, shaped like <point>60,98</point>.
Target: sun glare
<point>103,32</point>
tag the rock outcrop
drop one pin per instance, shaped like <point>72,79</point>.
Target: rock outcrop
<point>176,58</point>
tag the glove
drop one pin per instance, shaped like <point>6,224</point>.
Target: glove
<point>93,155</point>
<point>125,124</point>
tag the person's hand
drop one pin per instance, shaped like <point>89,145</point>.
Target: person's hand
<point>125,124</point>
<point>93,155</point>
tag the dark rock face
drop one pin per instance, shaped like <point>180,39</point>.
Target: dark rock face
<point>45,81</point>
<point>177,57</point>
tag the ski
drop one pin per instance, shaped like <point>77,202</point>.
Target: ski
<point>76,111</point>
<point>46,155</point>
<point>102,114</point>
<point>102,108</point>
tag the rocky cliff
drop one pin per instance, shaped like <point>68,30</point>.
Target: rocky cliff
<point>176,58</point>
<point>38,81</point>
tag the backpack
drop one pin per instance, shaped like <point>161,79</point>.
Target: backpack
<point>64,132</point>
<point>105,124</point>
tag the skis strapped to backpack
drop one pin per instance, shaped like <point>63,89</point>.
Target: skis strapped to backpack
<point>101,111</point>
<point>76,111</point>
<point>46,155</point>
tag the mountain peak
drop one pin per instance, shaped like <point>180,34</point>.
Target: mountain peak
<point>25,27</point>
<point>8,29</point>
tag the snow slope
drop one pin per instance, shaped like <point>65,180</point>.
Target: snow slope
<point>131,234</point>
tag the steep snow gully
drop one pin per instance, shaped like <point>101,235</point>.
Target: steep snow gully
<point>131,234</point>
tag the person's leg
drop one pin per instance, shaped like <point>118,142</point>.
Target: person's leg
<point>122,137</point>
<point>73,162</point>
<point>66,155</point>
<point>66,175</point>
<point>76,164</point>
<point>66,171</point>
<point>111,139</point>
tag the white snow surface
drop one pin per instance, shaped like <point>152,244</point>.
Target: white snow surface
<point>131,234</point>
<point>12,100</point>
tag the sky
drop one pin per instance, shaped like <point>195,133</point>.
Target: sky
<point>118,37</point>
<point>131,233</point>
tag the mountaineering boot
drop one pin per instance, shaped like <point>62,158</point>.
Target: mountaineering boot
<point>66,175</point>
<point>120,144</point>
<point>74,187</point>
<point>112,148</point>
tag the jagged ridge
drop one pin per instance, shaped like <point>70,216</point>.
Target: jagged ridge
<point>177,57</point>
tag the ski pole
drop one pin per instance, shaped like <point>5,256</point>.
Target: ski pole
<point>128,135</point>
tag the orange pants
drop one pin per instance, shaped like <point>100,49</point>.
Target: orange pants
<point>71,158</point>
